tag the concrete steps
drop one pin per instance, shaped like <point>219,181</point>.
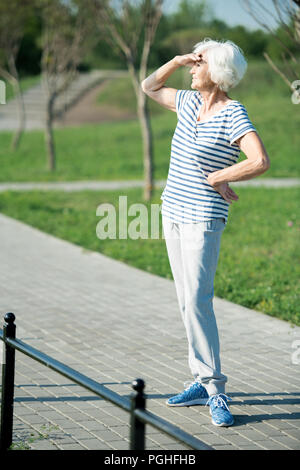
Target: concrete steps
<point>35,100</point>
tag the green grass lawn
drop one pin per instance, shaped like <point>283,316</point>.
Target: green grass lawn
<point>114,151</point>
<point>259,258</point>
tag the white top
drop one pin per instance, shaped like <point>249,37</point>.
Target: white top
<point>199,148</point>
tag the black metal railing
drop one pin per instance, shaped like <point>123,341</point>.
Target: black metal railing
<point>136,406</point>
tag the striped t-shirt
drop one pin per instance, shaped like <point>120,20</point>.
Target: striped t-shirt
<point>200,148</point>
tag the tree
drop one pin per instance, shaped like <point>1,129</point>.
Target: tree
<point>65,26</point>
<point>189,15</point>
<point>131,27</point>
<point>13,17</point>
<point>287,35</point>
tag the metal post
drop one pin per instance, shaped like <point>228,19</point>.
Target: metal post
<point>137,427</point>
<point>8,376</point>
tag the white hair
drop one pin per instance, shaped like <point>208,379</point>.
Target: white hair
<point>226,62</point>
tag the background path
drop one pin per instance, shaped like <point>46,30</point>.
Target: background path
<point>73,102</point>
<point>114,323</point>
<point>110,185</point>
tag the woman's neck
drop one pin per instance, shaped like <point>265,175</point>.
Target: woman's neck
<point>212,99</point>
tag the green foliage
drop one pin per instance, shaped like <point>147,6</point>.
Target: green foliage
<point>19,28</point>
<point>190,14</point>
<point>252,43</point>
<point>109,151</point>
<point>274,45</point>
<point>259,244</point>
<point>176,33</point>
<point>29,57</point>
<point>182,42</point>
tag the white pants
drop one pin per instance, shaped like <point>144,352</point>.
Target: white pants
<point>193,251</point>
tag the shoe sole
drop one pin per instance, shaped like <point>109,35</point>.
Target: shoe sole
<point>221,424</point>
<point>199,401</point>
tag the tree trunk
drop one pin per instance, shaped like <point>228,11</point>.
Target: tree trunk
<point>21,113</point>
<point>13,72</point>
<point>297,25</point>
<point>49,138</point>
<point>144,118</point>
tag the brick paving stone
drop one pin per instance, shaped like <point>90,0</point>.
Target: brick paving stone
<point>295,433</point>
<point>69,314</point>
<point>238,440</point>
<point>265,428</point>
<point>96,444</point>
<point>107,434</point>
<point>43,444</point>
<point>211,439</point>
<point>282,424</point>
<point>92,425</point>
<point>21,410</point>
<point>65,439</point>
<point>50,415</point>
<point>252,435</point>
<point>75,416</point>
<point>225,447</point>
<point>80,433</point>
<point>288,441</point>
<point>34,419</point>
<point>111,421</point>
<point>162,439</point>
<point>177,446</point>
<point>272,445</point>
<point>252,446</point>
<point>73,446</point>
<point>120,445</point>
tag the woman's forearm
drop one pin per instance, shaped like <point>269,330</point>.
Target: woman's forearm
<point>157,79</point>
<point>241,171</point>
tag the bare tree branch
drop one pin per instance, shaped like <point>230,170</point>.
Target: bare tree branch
<point>288,19</point>
<point>256,15</point>
<point>13,17</point>
<point>274,67</point>
<point>65,28</point>
<point>132,28</point>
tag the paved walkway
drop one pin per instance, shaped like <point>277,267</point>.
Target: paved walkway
<point>35,100</point>
<point>115,323</point>
<point>111,185</point>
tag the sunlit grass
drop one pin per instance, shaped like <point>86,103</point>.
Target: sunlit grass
<point>259,258</point>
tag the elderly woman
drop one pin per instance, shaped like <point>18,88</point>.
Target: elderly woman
<point>212,128</point>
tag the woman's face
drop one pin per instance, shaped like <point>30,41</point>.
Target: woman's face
<point>200,74</point>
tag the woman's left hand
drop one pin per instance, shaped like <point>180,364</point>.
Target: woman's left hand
<point>224,189</point>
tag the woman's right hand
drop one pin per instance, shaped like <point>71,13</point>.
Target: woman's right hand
<point>226,192</point>
<point>187,60</point>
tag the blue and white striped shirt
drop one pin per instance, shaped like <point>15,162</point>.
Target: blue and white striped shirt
<point>200,148</point>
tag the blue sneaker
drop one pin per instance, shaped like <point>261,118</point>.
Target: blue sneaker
<point>220,414</point>
<point>194,394</point>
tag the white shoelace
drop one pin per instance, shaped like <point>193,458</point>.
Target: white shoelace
<point>218,400</point>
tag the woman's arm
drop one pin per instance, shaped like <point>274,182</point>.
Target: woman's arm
<point>154,87</point>
<point>257,162</point>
